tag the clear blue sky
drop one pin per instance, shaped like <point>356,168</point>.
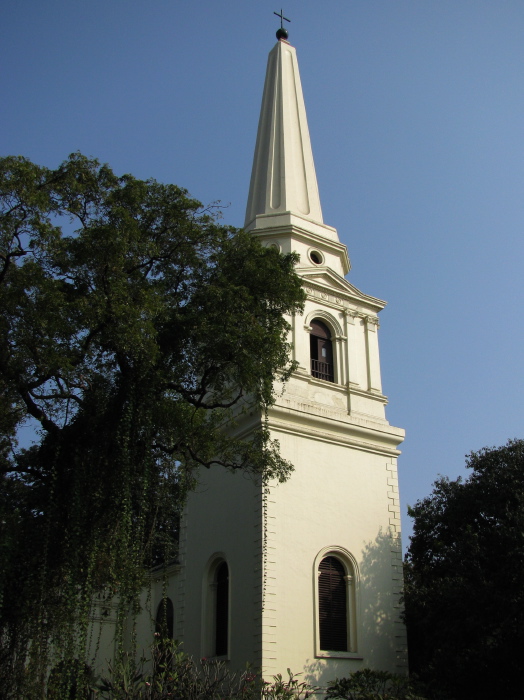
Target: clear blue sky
<point>416,114</point>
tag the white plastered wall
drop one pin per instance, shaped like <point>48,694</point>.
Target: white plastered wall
<point>222,521</point>
<point>337,497</point>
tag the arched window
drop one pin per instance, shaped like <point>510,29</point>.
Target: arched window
<point>215,607</point>
<point>321,351</point>
<point>221,608</point>
<point>335,572</point>
<point>332,605</point>
<point>165,619</point>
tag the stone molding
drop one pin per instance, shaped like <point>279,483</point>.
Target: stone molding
<point>342,299</point>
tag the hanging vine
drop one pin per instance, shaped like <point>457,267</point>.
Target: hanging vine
<point>132,344</point>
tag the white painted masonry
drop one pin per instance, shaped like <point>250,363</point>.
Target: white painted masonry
<point>342,498</point>
<point>283,179</point>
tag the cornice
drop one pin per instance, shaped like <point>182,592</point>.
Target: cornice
<point>357,391</point>
<point>307,236</point>
<point>361,434</point>
<point>158,573</point>
<point>353,389</point>
<point>288,222</point>
<point>299,416</point>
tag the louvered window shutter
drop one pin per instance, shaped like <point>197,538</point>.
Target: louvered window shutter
<point>222,609</point>
<point>332,603</point>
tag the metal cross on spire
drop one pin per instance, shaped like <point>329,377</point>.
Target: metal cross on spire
<point>282,33</point>
<point>282,18</point>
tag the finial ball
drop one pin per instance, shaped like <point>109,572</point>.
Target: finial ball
<point>282,33</point>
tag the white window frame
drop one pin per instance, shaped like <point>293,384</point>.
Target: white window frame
<point>338,345</point>
<point>352,585</point>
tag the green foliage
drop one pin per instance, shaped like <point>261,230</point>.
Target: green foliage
<point>173,674</point>
<point>70,679</point>
<point>135,332</point>
<point>368,684</point>
<point>464,570</point>
<point>290,689</point>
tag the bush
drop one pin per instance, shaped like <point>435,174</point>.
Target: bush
<point>173,674</point>
<point>287,690</point>
<point>372,685</point>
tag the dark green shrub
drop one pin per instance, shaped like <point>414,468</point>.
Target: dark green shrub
<point>368,684</point>
<point>173,674</point>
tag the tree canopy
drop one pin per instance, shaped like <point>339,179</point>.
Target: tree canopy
<point>135,329</point>
<point>464,572</point>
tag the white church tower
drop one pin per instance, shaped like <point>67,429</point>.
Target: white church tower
<point>307,576</point>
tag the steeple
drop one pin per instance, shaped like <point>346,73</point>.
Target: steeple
<point>283,179</point>
<point>260,585</point>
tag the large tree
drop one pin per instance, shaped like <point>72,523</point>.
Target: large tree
<point>464,579</point>
<point>135,330</point>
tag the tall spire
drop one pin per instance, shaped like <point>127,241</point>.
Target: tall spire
<point>283,178</point>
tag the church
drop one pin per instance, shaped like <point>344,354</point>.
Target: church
<point>307,574</point>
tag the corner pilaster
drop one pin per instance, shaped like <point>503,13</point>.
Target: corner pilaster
<point>373,359</point>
